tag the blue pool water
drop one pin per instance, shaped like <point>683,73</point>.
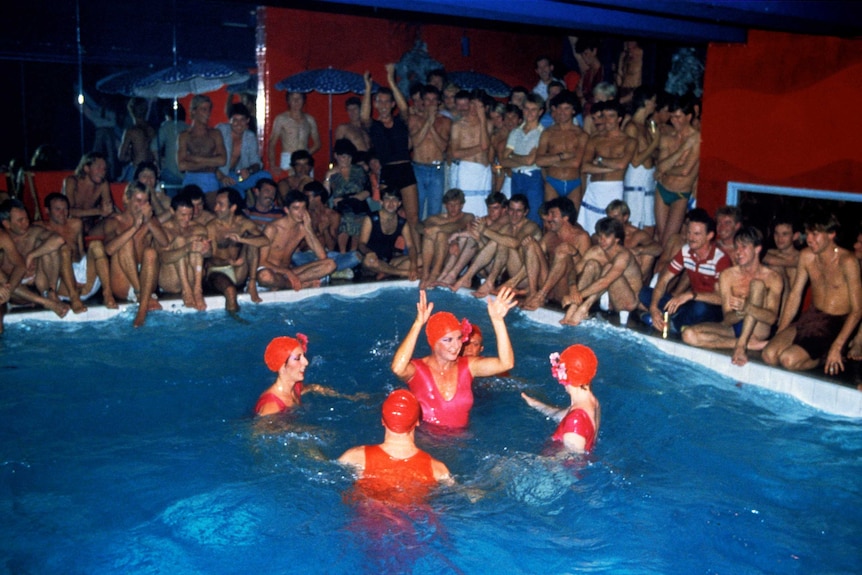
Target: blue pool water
<point>134,451</point>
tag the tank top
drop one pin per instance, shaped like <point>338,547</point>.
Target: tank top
<point>435,409</point>
<point>579,422</point>
<point>382,244</point>
<point>393,480</point>
<point>270,397</point>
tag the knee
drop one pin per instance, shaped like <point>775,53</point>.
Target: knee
<point>769,355</point>
<point>690,336</point>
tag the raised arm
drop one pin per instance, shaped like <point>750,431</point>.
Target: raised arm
<point>401,365</point>
<point>505,360</point>
<point>399,97</point>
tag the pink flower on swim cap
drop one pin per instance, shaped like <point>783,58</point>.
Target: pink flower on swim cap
<point>444,322</point>
<point>577,365</point>
<point>400,411</point>
<point>280,348</point>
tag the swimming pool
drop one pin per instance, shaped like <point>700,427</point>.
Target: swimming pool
<point>138,454</point>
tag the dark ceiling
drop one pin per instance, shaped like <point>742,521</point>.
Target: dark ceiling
<point>134,33</point>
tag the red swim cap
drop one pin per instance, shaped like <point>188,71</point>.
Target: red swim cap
<point>400,411</point>
<point>444,322</point>
<point>577,365</point>
<point>280,348</point>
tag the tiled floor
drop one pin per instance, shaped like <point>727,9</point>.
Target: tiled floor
<point>838,396</point>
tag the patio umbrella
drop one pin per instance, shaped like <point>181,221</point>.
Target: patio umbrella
<point>123,83</point>
<point>188,78</point>
<point>247,87</point>
<point>326,81</point>
<point>477,80</point>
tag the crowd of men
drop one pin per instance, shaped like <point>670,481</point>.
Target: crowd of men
<point>563,197</point>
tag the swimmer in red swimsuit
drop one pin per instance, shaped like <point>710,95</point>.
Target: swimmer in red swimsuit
<point>579,423</point>
<point>286,357</point>
<point>396,470</point>
<point>442,381</point>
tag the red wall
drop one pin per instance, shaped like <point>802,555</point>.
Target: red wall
<point>783,110</point>
<point>295,41</point>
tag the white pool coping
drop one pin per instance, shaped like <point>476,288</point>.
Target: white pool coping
<point>829,397</point>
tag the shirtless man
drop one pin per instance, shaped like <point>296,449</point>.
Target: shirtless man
<point>135,145</point>
<point>292,130</point>
<point>608,267</point>
<point>637,241</point>
<point>468,150</point>
<point>750,296</point>
<point>324,220</point>
<point>608,153</point>
<point>201,214</point>
<point>639,181</point>
<point>89,192</point>
<point>676,171</point>
<point>284,237</point>
<point>89,267</point>
<point>784,257</point>
<point>377,241</point>
<point>629,72</point>
<point>823,329</point>
<point>352,129</point>
<point>561,150</point>
<point>728,221</point>
<point>436,230</point>
<point>182,261</point>
<point>510,116</point>
<point>263,209</point>
<point>465,246</point>
<point>429,134</point>
<point>131,239</point>
<point>31,259</point>
<point>201,150</point>
<point>301,166</point>
<point>563,244</point>
<point>236,243</point>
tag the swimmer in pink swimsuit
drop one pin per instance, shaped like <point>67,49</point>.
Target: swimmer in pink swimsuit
<point>579,423</point>
<point>442,381</point>
<point>286,356</point>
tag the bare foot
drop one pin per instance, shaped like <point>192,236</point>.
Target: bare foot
<point>110,303</point>
<point>854,352</point>
<point>200,301</point>
<point>739,357</point>
<point>140,318</point>
<point>252,292</point>
<point>59,308</point>
<point>534,302</point>
<point>78,306</point>
<point>484,291</point>
<point>154,305</point>
<point>575,315</point>
<point>188,300</point>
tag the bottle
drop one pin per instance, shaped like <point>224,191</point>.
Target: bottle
<point>666,325</point>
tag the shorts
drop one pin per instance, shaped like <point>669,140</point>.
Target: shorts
<point>669,197</point>
<point>816,331</point>
<point>80,271</point>
<point>397,176</point>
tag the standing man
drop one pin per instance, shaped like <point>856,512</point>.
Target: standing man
<point>352,129</point>
<point>608,153</point>
<point>390,138</point>
<point>545,72</point>
<point>676,171</point>
<point>429,134</point>
<point>702,262</point>
<point>823,330</point>
<point>520,156</point>
<point>200,150</point>
<point>131,239</point>
<point>469,149</point>
<point>561,150</point>
<point>292,130</point>
<point>639,181</point>
<point>750,296</point>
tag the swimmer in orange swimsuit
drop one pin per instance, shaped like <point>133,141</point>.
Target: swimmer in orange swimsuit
<point>579,423</point>
<point>286,357</point>
<point>396,470</point>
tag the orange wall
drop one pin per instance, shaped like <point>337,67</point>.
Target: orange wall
<point>783,109</point>
<point>295,41</point>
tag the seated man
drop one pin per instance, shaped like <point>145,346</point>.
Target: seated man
<point>89,193</point>
<point>244,168</point>
<point>637,241</point>
<point>301,166</point>
<point>182,261</point>
<point>822,331</point>
<point>131,238</point>
<point>89,267</point>
<point>396,470</point>
<point>321,216</point>
<point>284,237</point>
<point>550,262</point>
<point>607,268</point>
<point>703,262</point>
<point>236,243</point>
<point>201,215</point>
<point>784,257</point>
<point>379,237</point>
<point>31,259</point>
<point>463,246</point>
<point>436,230</point>
<point>264,209</point>
<point>750,296</point>
<point>504,249</point>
